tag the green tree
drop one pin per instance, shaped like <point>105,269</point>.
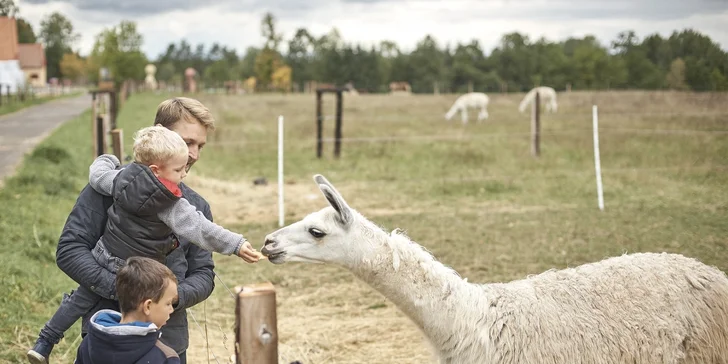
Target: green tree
<point>119,50</point>
<point>165,71</point>
<point>718,81</point>
<point>56,32</point>
<point>300,56</point>
<point>25,32</point>
<point>8,8</point>
<point>268,60</point>
<point>675,79</point>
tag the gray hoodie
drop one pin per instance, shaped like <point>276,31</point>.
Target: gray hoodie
<point>146,214</point>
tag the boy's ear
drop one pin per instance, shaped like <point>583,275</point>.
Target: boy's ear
<point>147,306</point>
<point>155,169</point>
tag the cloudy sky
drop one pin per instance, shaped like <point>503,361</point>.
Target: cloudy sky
<point>236,23</point>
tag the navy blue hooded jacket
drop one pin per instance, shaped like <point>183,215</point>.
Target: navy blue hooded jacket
<point>110,342</point>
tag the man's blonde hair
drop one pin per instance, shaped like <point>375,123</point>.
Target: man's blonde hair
<point>176,109</point>
<point>157,145</point>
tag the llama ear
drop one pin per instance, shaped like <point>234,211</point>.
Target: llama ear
<point>335,199</point>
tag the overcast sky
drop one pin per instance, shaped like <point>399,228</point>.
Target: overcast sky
<point>236,23</point>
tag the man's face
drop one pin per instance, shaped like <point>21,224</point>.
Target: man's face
<point>195,135</point>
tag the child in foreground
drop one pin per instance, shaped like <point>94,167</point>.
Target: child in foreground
<point>146,289</point>
<point>146,218</point>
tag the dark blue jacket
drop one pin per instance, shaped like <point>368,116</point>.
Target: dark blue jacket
<point>110,342</point>
<point>192,265</point>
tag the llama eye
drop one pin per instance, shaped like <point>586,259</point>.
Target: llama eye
<point>316,233</point>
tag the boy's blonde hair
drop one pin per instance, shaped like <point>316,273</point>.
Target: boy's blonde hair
<point>157,144</point>
<point>176,109</point>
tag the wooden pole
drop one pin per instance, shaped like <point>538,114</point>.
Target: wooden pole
<point>117,143</point>
<point>337,131</point>
<point>94,132</point>
<point>470,86</point>
<point>319,124</point>
<point>535,126</point>
<point>256,333</point>
<point>100,142</point>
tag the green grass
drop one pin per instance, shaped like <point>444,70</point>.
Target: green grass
<point>481,204</point>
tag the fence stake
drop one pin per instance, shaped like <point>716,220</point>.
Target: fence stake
<point>597,163</point>
<point>256,332</point>
<point>280,172</point>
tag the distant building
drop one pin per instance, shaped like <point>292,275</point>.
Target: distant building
<point>8,39</point>
<point>20,64</point>
<point>33,63</point>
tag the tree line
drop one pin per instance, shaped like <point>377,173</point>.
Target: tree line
<point>686,60</point>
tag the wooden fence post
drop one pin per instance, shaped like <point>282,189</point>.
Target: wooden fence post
<point>256,332</point>
<point>337,132</point>
<point>535,126</point>
<point>117,143</point>
<point>319,124</point>
<point>94,125</point>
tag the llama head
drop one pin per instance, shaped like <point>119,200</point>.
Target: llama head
<point>324,236</point>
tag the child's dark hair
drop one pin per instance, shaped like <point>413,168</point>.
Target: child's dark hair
<point>141,279</point>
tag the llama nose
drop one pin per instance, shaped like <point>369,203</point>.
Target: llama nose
<point>269,242</point>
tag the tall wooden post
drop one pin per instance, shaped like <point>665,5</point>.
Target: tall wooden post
<point>256,333</point>
<point>470,86</point>
<point>535,126</point>
<point>319,124</point>
<point>94,125</point>
<point>337,132</point>
<point>117,143</point>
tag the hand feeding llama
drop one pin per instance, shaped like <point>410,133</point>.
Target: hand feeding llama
<point>476,100</point>
<point>544,93</point>
<point>639,308</point>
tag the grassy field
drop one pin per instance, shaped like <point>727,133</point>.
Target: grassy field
<point>471,194</point>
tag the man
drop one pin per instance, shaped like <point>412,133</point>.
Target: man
<point>192,265</point>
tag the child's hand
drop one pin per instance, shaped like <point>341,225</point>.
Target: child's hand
<point>248,253</point>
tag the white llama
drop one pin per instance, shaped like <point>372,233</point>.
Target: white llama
<point>476,100</point>
<point>544,93</point>
<point>639,308</point>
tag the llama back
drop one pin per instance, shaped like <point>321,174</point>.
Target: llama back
<point>640,308</point>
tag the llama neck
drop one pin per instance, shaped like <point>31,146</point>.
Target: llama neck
<point>430,293</point>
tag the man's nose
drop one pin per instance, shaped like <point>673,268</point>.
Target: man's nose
<point>194,152</point>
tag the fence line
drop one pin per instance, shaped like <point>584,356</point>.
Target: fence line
<point>548,173</point>
<point>471,137</point>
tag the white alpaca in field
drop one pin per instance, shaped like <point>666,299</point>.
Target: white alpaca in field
<point>639,308</point>
<point>476,100</point>
<point>547,96</point>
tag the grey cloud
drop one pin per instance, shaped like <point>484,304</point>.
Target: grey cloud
<point>141,8</point>
<point>132,7</point>
<point>585,9</point>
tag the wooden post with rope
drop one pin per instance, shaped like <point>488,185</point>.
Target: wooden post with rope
<point>256,332</point>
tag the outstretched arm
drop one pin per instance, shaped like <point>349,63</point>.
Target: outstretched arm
<point>189,223</point>
<point>102,173</point>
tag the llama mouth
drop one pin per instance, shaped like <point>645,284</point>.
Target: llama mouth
<point>274,257</point>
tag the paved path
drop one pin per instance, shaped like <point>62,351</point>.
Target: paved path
<point>23,130</point>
